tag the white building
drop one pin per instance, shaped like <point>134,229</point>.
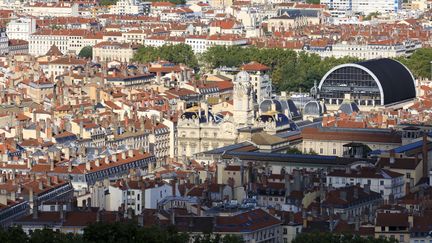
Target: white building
<point>21,28</point>
<point>364,6</point>
<point>123,193</point>
<point>373,50</point>
<point>50,9</point>
<point>68,41</point>
<point>153,195</point>
<point>113,51</point>
<point>381,181</point>
<point>125,7</point>
<point>197,42</point>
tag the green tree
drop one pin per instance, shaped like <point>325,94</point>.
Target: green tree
<point>293,150</point>
<point>13,235</point>
<point>419,62</point>
<point>86,52</point>
<point>326,237</point>
<point>290,71</point>
<point>216,238</point>
<point>50,236</point>
<point>107,2</point>
<point>313,1</point>
<point>180,53</point>
<point>131,232</point>
<point>372,15</point>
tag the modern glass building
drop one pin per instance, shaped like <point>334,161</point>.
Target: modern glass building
<point>377,82</point>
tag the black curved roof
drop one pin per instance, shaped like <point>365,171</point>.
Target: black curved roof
<point>395,79</point>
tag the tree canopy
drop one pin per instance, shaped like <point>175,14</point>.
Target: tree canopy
<point>180,53</point>
<point>86,52</point>
<point>419,62</point>
<point>291,71</point>
<point>111,233</point>
<point>107,2</point>
<point>326,237</point>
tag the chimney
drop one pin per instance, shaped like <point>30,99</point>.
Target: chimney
<point>31,195</point>
<point>81,129</point>
<point>67,153</point>
<point>392,156</point>
<point>114,157</point>
<point>123,155</point>
<point>130,153</point>
<point>35,209</point>
<point>106,160</point>
<point>88,166</point>
<point>29,164</point>
<point>49,180</point>
<point>287,185</point>
<point>69,166</point>
<point>97,162</point>
<point>62,213</point>
<point>38,130</point>
<point>41,187</point>
<point>51,163</point>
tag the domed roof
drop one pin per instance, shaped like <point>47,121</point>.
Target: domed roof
<point>279,119</point>
<point>266,105</point>
<point>313,108</point>
<point>242,76</point>
<point>288,105</point>
<point>349,107</point>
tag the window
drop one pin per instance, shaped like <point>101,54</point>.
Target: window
<point>321,150</point>
<point>408,175</point>
<point>334,151</point>
<point>381,183</point>
<point>285,231</point>
<point>401,238</point>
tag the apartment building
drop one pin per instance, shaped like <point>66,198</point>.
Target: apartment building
<point>51,9</point>
<point>21,28</point>
<point>385,182</point>
<point>114,51</point>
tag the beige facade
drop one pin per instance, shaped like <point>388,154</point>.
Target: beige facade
<point>113,51</point>
<point>329,141</point>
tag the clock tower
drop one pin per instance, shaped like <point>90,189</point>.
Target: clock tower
<point>243,99</point>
